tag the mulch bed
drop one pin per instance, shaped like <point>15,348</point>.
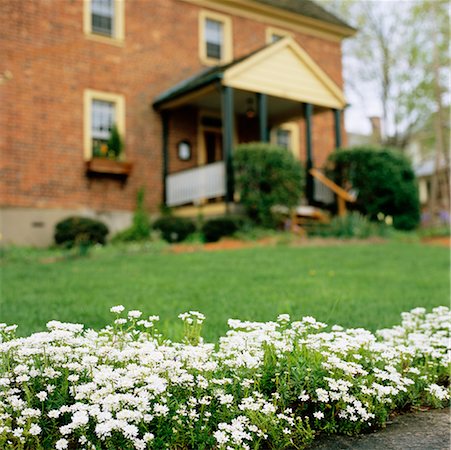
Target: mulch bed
<point>444,241</point>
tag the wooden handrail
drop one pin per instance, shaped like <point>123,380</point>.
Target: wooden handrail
<point>345,195</point>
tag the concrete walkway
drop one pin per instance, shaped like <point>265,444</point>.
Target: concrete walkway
<point>428,430</point>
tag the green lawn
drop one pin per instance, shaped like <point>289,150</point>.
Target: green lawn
<point>365,285</point>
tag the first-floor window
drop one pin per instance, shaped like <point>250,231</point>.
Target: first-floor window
<point>283,138</point>
<point>286,135</point>
<point>104,124</point>
<point>103,117</point>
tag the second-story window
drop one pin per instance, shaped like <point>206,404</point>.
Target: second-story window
<point>276,37</point>
<point>276,34</point>
<point>102,17</point>
<point>104,20</point>
<point>214,38</point>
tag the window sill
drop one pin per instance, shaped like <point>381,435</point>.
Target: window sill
<point>206,61</point>
<point>105,166</point>
<point>112,40</point>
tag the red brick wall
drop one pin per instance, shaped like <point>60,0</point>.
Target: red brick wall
<point>41,109</point>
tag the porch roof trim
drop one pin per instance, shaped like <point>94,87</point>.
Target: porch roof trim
<point>281,69</point>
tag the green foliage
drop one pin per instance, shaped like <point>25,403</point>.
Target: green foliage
<point>400,35</point>
<point>80,231</point>
<point>384,180</point>
<point>174,229</point>
<point>215,229</point>
<point>353,285</point>
<point>431,232</point>
<point>352,225</point>
<point>140,228</point>
<point>115,144</point>
<point>266,176</point>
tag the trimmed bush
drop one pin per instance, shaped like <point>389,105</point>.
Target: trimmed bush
<point>384,180</point>
<point>215,229</point>
<point>80,231</point>
<point>266,176</point>
<point>174,229</point>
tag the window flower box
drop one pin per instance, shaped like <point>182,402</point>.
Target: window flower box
<point>105,166</point>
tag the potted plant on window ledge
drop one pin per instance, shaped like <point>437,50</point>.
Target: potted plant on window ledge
<point>107,157</point>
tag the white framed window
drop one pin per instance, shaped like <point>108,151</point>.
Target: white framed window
<point>276,34</point>
<point>284,138</point>
<point>215,38</point>
<point>102,17</point>
<point>287,136</point>
<point>104,20</point>
<point>102,111</point>
<point>103,118</point>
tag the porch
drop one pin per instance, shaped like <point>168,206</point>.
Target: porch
<point>251,99</point>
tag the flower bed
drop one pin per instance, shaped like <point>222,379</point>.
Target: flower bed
<point>265,385</point>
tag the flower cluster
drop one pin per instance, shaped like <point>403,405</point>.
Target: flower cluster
<point>274,384</point>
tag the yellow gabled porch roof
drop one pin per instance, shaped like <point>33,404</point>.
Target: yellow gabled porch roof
<point>282,69</point>
<point>285,70</point>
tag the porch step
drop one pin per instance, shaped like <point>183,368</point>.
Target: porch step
<point>205,210</point>
<point>305,218</point>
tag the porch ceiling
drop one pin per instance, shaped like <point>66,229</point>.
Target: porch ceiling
<point>282,70</point>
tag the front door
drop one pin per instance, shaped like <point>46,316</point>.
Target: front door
<point>213,146</point>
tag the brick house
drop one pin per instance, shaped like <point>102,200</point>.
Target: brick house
<point>182,80</point>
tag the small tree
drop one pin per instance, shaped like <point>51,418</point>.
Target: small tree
<point>384,180</point>
<point>140,228</point>
<point>266,176</point>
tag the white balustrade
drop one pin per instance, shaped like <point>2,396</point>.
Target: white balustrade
<point>195,185</point>
<point>322,193</point>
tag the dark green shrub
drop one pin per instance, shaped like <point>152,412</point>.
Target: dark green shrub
<point>215,229</point>
<point>140,228</point>
<point>384,181</point>
<point>80,231</point>
<point>174,229</point>
<point>266,176</point>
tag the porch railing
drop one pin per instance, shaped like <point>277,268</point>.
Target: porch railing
<point>343,196</point>
<point>322,193</point>
<point>195,185</point>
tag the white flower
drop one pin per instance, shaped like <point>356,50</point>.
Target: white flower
<point>35,429</point>
<point>61,444</point>
<point>42,395</point>
<point>134,314</point>
<point>283,318</point>
<point>318,415</point>
<point>53,414</point>
<point>117,309</point>
<point>438,391</point>
<point>18,432</point>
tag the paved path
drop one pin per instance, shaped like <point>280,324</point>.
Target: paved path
<point>428,430</point>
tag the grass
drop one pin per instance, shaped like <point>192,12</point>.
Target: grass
<point>355,285</point>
